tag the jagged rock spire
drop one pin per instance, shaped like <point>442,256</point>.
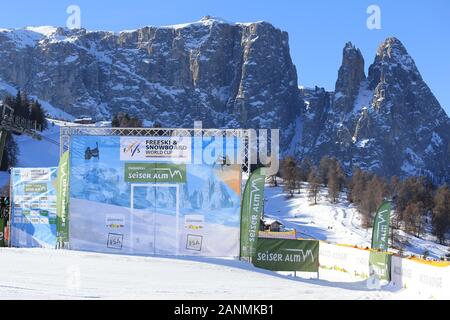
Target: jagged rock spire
<point>351,74</point>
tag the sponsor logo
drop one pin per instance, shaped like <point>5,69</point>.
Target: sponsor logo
<point>194,242</point>
<point>151,172</point>
<point>35,188</point>
<point>115,221</point>
<point>132,149</point>
<point>255,204</point>
<point>194,222</point>
<point>115,241</point>
<point>286,255</point>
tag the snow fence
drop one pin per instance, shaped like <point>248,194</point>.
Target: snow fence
<point>431,279</point>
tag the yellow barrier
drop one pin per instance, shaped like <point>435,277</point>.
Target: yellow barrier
<point>440,264</point>
<point>279,235</point>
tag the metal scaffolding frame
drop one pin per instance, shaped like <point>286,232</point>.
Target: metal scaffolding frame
<point>68,131</point>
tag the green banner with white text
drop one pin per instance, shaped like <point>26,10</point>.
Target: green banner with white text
<point>62,201</point>
<point>251,212</point>
<point>287,255</point>
<point>380,235</point>
<point>2,234</point>
<point>155,173</point>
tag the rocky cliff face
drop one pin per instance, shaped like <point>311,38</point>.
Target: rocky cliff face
<point>389,123</point>
<point>227,75</point>
<point>351,74</point>
<point>238,75</point>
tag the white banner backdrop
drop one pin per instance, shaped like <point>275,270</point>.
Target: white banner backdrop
<point>430,281</point>
<point>346,259</point>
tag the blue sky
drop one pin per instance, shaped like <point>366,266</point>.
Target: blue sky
<point>318,29</point>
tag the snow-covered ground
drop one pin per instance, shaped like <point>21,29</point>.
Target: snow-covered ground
<point>335,223</point>
<point>50,274</point>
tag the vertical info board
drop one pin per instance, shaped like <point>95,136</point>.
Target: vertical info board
<point>155,195</point>
<point>33,207</point>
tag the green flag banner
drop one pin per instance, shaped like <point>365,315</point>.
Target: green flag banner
<point>380,265</point>
<point>62,201</point>
<point>287,255</point>
<point>380,233</point>
<point>251,212</point>
<point>2,235</point>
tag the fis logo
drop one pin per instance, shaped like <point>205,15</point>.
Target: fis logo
<point>133,149</point>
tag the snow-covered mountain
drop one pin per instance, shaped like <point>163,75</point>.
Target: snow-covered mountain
<point>237,75</point>
<point>227,75</point>
<point>388,122</point>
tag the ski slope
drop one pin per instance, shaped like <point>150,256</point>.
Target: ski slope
<point>44,153</point>
<point>65,275</point>
<point>335,223</point>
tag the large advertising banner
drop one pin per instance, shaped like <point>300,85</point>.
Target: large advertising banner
<point>33,203</point>
<point>62,201</point>
<point>155,195</point>
<point>251,212</point>
<point>429,278</point>
<point>345,258</point>
<point>287,255</point>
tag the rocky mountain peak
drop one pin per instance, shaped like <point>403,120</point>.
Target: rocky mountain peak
<point>391,47</point>
<point>392,62</point>
<point>351,74</point>
<point>390,123</point>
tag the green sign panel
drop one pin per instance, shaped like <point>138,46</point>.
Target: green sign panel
<point>380,235</point>
<point>62,200</point>
<point>35,188</point>
<point>251,212</point>
<point>380,264</point>
<point>2,235</point>
<point>155,173</point>
<point>287,255</point>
